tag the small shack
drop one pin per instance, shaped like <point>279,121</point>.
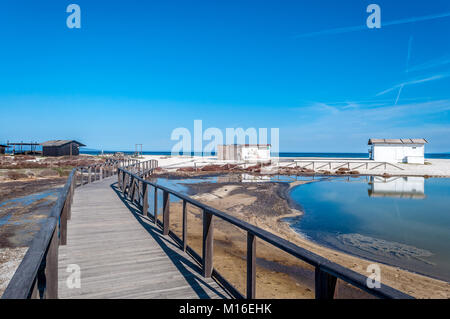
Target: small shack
<point>3,148</point>
<point>244,152</point>
<point>61,148</point>
<point>401,150</point>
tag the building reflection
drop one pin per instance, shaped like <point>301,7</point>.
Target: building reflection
<point>400,187</point>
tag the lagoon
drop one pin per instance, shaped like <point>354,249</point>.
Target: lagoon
<point>402,221</point>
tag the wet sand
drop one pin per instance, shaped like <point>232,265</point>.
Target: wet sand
<point>23,206</point>
<point>278,274</point>
<point>15,189</point>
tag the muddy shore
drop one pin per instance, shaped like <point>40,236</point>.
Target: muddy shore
<point>278,274</point>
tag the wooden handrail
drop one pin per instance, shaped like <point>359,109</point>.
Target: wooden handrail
<point>326,271</point>
<point>37,274</point>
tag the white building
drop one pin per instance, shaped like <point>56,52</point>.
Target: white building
<point>405,150</point>
<point>244,152</point>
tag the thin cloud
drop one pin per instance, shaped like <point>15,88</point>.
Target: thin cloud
<point>408,57</point>
<point>354,126</point>
<point>431,64</point>
<point>432,78</point>
<point>364,27</point>
<point>398,95</point>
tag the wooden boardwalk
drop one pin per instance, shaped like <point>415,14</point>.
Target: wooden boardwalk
<point>122,254</point>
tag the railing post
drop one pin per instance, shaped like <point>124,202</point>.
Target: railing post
<point>155,211</point>
<point>140,189</point>
<point>184,226</point>
<point>325,284</point>
<point>89,175</point>
<point>63,221</point>
<point>166,212</point>
<point>131,190</point>
<point>101,172</point>
<point>72,190</point>
<point>125,184</point>
<point>51,268</point>
<point>251,265</point>
<point>145,200</point>
<point>208,238</point>
<point>122,182</point>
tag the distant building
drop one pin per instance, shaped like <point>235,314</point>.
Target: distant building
<point>405,150</point>
<point>61,148</point>
<point>244,152</point>
<point>3,148</point>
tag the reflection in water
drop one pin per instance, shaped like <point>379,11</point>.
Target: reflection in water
<point>400,186</point>
<point>389,225</point>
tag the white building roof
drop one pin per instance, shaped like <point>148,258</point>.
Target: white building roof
<point>397,141</point>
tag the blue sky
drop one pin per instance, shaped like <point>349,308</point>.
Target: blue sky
<point>136,70</point>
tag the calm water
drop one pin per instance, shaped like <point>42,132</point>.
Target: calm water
<point>400,221</point>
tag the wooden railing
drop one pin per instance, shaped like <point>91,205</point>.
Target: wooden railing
<point>132,183</point>
<point>322,164</point>
<point>37,274</point>
<point>92,173</point>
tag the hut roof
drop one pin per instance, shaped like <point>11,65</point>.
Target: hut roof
<point>374,141</point>
<point>60,143</point>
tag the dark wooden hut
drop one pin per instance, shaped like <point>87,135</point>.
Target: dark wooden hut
<point>61,148</point>
<point>3,148</point>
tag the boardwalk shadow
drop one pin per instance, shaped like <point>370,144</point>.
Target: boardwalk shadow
<point>184,265</point>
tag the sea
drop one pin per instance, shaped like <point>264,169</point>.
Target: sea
<point>281,154</point>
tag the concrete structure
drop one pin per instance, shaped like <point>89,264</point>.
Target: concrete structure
<point>61,148</point>
<point>405,150</point>
<point>244,152</point>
